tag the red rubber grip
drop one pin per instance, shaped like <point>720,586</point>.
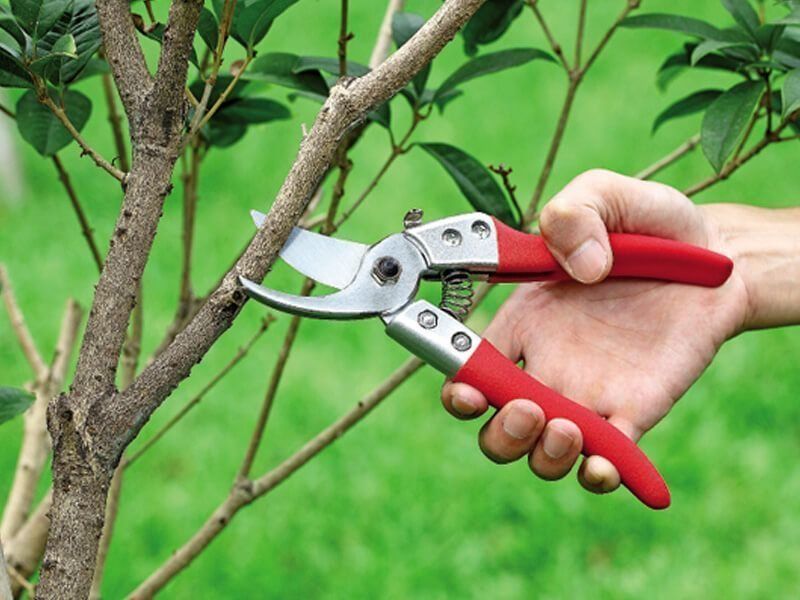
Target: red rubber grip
<point>525,257</point>
<point>501,381</point>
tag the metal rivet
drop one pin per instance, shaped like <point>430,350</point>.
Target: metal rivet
<point>461,342</point>
<point>427,319</point>
<point>481,229</point>
<point>451,237</point>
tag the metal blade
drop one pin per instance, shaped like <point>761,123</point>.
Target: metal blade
<point>325,259</point>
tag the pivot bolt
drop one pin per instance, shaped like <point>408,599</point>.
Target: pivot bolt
<point>461,342</point>
<point>386,270</point>
<point>481,229</point>
<point>427,319</point>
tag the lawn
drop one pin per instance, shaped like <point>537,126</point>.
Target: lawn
<point>405,505</point>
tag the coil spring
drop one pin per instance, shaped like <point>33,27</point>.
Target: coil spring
<point>457,293</point>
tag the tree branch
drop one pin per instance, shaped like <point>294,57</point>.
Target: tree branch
<point>662,163</point>
<point>85,453</point>
<point>347,105</point>
<point>383,41</point>
<point>61,115</point>
<point>124,54</point>
<point>246,492</point>
<point>554,45</point>
<point>19,327</point>
<point>35,442</point>
<point>194,401</point>
<point>24,550</point>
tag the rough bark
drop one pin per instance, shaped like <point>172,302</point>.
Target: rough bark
<point>84,460</point>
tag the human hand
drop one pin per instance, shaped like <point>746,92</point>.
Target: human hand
<point>626,349</point>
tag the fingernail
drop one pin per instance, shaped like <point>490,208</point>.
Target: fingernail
<point>588,262</point>
<point>556,443</point>
<point>464,406</point>
<point>520,422</point>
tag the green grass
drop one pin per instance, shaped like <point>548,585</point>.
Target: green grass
<point>405,505</point>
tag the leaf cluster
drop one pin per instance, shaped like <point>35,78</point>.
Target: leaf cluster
<point>763,58</point>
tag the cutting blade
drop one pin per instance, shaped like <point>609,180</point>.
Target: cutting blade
<point>324,259</point>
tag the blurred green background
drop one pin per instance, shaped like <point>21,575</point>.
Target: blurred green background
<point>405,505</point>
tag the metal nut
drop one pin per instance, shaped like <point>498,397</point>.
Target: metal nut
<point>386,269</point>
<point>427,319</point>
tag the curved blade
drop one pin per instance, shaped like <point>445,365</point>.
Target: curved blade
<point>320,257</point>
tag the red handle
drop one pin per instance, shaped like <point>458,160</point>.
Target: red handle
<point>525,257</point>
<point>501,381</point>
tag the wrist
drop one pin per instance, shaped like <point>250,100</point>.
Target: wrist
<point>765,247</point>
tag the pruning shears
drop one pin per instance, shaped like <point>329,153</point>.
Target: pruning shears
<point>382,279</point>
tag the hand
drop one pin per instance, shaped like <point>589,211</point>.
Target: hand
<point>625,349</point>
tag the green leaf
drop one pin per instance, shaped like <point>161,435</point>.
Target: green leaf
<point>676,63</point>
<point>208,28</point>
<point>12,73</point>
<point>404,26</point>
<point>474,180</point>
<point>382,116</point>
<point>280,68</point>
<point>793,18</point>
<point>252,23</point>
<point>13,402</point>
<point>249,111</point>
<point>489,23</point>
<point>224,135</point>
<point>681,24</point>
<point>689,105</point>
<point>42,129</point>
<point>787,51</point>
<point>707,47</point>
<point>8,24</point>
<point>726,120</point>
<point>37,17</point>
<point>49,66</point>
<point>790,93</point>
<point>743,14</point>
<point>80,21</point>
<point>491,63</point>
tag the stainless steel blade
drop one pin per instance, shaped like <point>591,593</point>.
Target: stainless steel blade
<point>325,259</point>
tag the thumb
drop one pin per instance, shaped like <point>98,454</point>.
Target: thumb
<point>576,222</point>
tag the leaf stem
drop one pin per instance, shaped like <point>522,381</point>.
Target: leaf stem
<point>661,164</point>
<point>344,37</point>
<point>554,45</point>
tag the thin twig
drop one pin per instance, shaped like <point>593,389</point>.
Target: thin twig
<point>19,327</point>
<point>554,45</point>
<point>344,37</point>
<point>511,189</point>
<point>223,96</point>
<point>24,550</point>
<point>115,120</point>
<point>580,33</point>
<point>237,358</point>
<point>35,447</point>
<point>245,492</point>
<point>345,166</point>
<point>86,229</point>
<point>191,174</point>
<point>101,162</point>
<point>7,111</point>
<point>662,163</point>
<point>396,150</point>
<point>225,21</point>
<point>630,6</point>
<point>383,41</point>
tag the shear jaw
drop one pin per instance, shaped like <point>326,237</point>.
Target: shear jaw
<point>387,281</point>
